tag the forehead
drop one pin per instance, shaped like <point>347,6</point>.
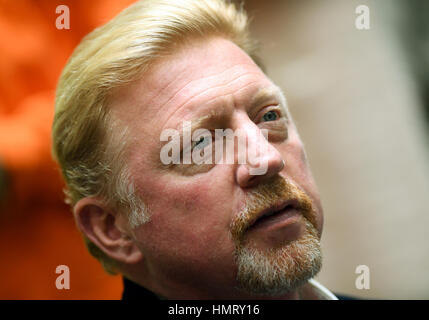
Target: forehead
<point>192,79</point>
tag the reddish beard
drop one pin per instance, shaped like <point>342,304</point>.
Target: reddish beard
<point>276,271</point>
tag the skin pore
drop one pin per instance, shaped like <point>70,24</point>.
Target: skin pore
<point>199,243</point>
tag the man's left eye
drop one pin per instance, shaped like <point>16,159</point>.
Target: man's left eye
<point>270,116</point>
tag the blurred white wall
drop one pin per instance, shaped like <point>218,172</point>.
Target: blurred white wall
<point>355,103</point>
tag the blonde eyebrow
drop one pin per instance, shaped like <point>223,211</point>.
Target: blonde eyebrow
<point>262,95</point>
<point>219,115</point>
<point>266,94</point>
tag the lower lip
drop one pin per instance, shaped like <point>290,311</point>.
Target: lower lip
<point>279,220</point>
<point>277,229</point>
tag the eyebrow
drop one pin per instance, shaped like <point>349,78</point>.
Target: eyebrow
<point>220,115</point>
<point>266,94</point>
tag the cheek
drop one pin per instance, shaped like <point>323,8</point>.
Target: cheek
<point>188,217</point>
<point>176,203</point>
<point>171,190</point>
<point>188,233</point>
<point>294,155</point>
<point>202,198</point>
<point>188,199</point>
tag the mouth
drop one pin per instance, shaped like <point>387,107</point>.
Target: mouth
<point>278,213</point>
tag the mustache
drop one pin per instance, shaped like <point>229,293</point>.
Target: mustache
<point>266,195</point>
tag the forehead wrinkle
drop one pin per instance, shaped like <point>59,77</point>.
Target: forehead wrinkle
<point>189,83</point>
<point>214,113</point>
<point>208,77</point>
<point>228,94</point>
<point>217,87</point>
<point>190,99</point>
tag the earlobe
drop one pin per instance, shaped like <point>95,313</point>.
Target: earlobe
<point>106,230</point>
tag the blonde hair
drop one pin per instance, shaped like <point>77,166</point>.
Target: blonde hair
<point>86,139</point>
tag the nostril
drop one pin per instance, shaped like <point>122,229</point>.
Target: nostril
<point>251,181</point>
<point>252,178</point>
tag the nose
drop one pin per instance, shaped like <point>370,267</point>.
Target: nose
<point>262,162</point>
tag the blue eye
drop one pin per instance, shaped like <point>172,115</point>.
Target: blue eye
<point>270,116</point>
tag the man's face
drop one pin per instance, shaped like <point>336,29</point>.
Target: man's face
<point>206,237</point>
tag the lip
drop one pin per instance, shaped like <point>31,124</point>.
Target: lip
<point>278,213</point>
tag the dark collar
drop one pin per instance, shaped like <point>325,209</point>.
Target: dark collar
<point>133,291</point>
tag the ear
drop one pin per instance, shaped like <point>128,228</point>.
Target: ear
<point>107,230</point>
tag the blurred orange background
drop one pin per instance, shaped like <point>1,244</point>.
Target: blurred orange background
<point>37,231</point>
